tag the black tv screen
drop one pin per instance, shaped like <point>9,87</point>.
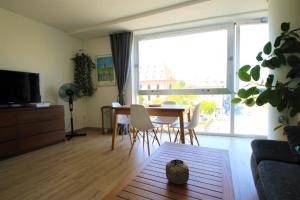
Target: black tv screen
<point>19,87</point>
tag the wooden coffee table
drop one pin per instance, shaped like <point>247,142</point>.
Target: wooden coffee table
<point>210,176</point>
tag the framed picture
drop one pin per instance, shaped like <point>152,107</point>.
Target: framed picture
<point>105,71</point>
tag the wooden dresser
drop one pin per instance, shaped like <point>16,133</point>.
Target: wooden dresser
<point>26,129</point>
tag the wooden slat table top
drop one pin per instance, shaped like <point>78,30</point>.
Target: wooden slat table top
<point>209,179</point>
<point>163,110</point>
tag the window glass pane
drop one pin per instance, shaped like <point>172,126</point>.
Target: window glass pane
<point>253,120</point>
<point>214,109</point>
<point>184,62</point>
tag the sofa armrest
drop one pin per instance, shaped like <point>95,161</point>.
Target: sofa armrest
<point>272,150</point>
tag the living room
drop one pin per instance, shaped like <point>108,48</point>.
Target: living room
<point>187,52</point>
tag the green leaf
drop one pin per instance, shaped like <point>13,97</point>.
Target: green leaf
<point>268,48</point>
<point>269,81</point>
<point>277,41</point>
<point>293,61</point>
<point>285,26</point>
<point>245,68</point>
<point>298,47</point>
<point>244,76</point>
<point>259,57</point>
<point>253,91</point>
<point>250,102</point>
<point>274,98</point>
<point>266,63</point>
<point>243,93</point>
<point>284,99</point>
<point>275,62</point>
<point>255,72</point>
<point>293,73</point>
<point>282,59</point>
<point>263,98</point>
<point>236,100</point>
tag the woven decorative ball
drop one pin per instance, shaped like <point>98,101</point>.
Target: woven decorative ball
<point>177,172</point>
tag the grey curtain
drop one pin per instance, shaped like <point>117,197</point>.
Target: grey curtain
<point>121,50</point>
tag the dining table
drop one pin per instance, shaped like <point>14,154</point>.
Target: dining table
<point>154,110</point>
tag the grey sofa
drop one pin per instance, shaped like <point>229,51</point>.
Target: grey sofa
<point>275,170</point>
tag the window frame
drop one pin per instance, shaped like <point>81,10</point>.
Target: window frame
<point>233,64</point>
<point>198,91</point>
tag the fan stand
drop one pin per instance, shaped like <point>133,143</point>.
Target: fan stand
<point>72,133</point>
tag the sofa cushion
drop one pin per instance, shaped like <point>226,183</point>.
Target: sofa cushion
<point>279,180</point>
<point>272,150</point>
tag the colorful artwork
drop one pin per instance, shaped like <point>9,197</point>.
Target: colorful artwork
<point>105,70</point>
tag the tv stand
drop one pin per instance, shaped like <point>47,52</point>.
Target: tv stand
<point>28,128</point>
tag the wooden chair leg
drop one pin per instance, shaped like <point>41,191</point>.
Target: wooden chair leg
<point>191,137</point>
<point>122,131</point>
<point>155,137</point>
<point>137,135</point>
<point>118,131</point>
<point>161,131</point>
<point>176,136</point>
<point>196,137</point>
<point>169,133</point>
<point>129,134</point>
<point>147,133</point>
<point>134,140</point>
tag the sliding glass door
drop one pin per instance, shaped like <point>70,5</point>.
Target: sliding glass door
<point>254,120</point>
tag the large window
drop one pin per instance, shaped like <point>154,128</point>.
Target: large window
<point>168,62</point>
<point>199,66</point>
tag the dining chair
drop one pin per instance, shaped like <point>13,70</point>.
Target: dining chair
<point>165,120</point>
<point>190,125</point>
<point>141,123</point>
<point>123,123</point>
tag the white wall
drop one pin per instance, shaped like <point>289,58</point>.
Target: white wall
<point>104,95</point>
<point>27,45</point>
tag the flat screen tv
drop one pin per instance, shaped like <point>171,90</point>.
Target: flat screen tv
<point>19,88</point>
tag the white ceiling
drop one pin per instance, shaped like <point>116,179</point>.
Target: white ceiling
<point>91,18</point>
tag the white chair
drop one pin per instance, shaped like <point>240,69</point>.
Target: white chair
<point>190,125</point>
<point>140,121</point>
<point>166,120</point>
<point>123,122</point>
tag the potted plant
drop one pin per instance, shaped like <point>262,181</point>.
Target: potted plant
<point>82,73</point>
<point>284,95</point>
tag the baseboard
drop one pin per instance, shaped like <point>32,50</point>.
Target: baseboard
<point>80,130</point>
<point>96,129</point>
<point>93,129</point>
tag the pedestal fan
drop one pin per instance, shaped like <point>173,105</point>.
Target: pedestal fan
<point>69,93</point>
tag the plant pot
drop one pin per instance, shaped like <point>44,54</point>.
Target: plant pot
<point>177,172</point>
